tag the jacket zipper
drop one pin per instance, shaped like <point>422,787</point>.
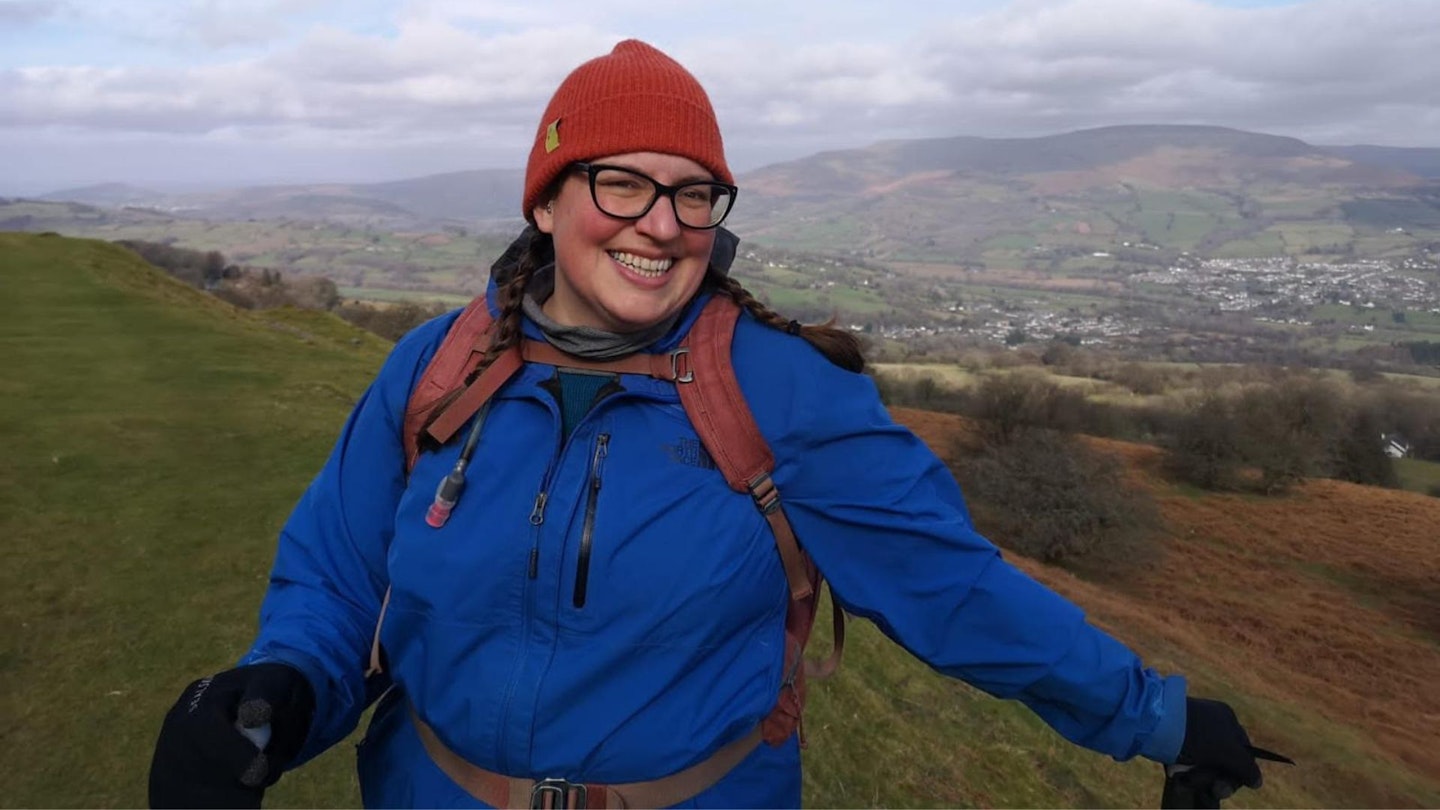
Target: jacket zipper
<point>587,534</point>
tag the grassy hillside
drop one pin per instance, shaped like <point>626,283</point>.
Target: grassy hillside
<point>156,440</point>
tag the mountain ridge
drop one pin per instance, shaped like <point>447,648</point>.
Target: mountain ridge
<point>996,155</point>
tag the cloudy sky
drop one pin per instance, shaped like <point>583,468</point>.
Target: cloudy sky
<point>198,93</point>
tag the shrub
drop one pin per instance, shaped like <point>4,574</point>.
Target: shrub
<point>390,322</point>
<point>1006,403</point>
<point>1287,430</point>
<point>1140,379</point>
<point>1204,448</point>
<point>1048,496</point>
<point>1270,436</point>
<point>1359,455</point>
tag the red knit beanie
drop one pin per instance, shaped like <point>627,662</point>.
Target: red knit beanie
<point>634,99</point>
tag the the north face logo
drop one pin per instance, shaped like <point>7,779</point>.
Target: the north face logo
<point>690,452</point>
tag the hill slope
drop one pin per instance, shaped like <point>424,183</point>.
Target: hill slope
<point>1209,190</point>
<point>156,439</point>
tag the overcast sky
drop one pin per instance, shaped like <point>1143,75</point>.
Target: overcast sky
<point>195,93</point>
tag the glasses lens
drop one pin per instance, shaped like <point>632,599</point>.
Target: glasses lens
<point>623,194</point>
<point>702,205</point>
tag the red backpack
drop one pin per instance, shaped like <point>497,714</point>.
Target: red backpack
<point>701,370</point>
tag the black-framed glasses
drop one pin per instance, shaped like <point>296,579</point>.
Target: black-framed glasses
<point>627,194</point>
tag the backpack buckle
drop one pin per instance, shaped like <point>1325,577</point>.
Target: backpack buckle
<point>763,490</point>
<point>676,364</point>
<point>557,794</point>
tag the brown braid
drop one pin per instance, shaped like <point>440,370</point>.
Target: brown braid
<point>511,295</point>
<point>838,346</point>
<point>506,332</point>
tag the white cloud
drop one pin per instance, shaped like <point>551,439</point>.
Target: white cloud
<point>374,74</point>
<point>23,13</point>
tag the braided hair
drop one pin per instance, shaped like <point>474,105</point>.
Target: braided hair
<point>839,347</point>
<point>506,332</point>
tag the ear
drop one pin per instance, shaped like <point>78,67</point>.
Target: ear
<point>544,214</point>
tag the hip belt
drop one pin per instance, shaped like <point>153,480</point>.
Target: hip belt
<point>498,790</point>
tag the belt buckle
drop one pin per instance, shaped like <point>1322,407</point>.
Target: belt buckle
<point>556,793</point>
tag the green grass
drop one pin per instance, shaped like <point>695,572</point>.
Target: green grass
<point>1265,243</point>
<point>837,298</point>
<point>1010,241</point>
<point>1299,237</point>
<point>417,296</point>
<point>1418,324</point>
<point>155,440</point>
<point>1417,475</point>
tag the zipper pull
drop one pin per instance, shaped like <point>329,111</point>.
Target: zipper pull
<point>602,450</point>
<point>537,516</point>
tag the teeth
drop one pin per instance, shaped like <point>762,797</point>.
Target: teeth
<point>652,268</point>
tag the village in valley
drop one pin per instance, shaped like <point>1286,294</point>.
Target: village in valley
<point>1285,297</point>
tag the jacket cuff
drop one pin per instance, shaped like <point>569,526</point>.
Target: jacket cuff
<point>1164,742</point>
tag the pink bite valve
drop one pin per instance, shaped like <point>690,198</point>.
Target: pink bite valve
<point>439,513</point>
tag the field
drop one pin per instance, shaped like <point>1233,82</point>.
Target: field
<point>157,438</point>
<point>1417,475</point>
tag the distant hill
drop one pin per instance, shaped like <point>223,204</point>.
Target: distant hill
<point>1190,153</point>
<point>108,194</point>
<point>457,198</point>
<point>1422,162</point>
<point>1177,188</point>
<point>74,217</point>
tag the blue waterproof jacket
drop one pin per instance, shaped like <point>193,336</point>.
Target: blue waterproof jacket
<point>605,609</point>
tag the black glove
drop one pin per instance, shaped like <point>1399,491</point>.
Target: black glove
<point>202,759</point>
<point>1216,751</point>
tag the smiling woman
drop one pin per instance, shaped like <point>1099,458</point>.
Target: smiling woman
<point>607,619</point>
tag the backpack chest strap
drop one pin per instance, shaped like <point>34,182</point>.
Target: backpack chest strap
<point>671,366</point>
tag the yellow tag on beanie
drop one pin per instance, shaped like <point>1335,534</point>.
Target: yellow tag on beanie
<point>552,136</point>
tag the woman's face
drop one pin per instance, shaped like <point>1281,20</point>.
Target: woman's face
<point>623,275</point>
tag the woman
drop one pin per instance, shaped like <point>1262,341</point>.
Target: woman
<point>601,609</point>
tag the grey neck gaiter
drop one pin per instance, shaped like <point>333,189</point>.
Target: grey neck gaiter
<point>584,341</point>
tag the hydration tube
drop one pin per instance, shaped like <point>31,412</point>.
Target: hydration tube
<point>448,493</point>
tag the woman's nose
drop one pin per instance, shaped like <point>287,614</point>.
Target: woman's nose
<point>660,222</point>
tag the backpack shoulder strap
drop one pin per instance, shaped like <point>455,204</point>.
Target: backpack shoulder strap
<point>717,408</point>
<point>459,352</point>
<point>715,404</point>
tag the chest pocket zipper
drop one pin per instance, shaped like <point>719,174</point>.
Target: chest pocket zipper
<point>587,533</point>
